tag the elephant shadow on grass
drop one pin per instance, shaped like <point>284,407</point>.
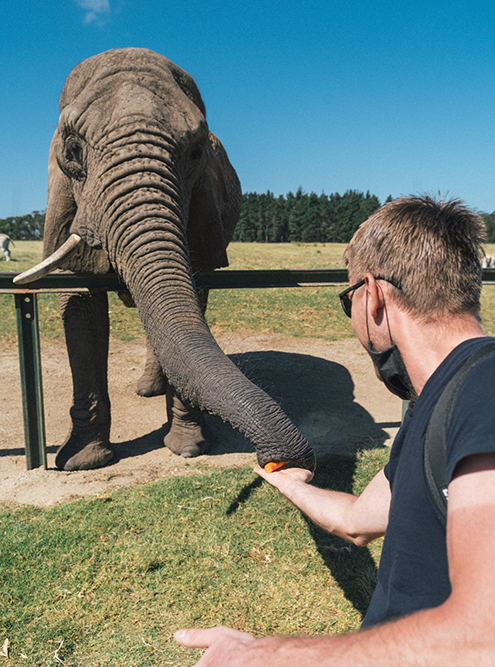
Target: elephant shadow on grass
<point>318,395</point>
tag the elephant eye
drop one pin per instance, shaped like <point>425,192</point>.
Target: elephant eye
<point>73,152</point>
<point>74,158</point>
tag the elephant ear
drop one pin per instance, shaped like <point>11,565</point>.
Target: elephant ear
<point>60,213</point>
<point>213,210</point>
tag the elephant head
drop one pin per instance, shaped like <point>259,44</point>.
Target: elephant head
<point>135,173</point>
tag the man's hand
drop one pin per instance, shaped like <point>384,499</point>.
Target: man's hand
<point>285,477</point>
<point>226,647</point>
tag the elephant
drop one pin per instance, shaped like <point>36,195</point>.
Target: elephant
<point>5,240</point>
<point>138,185</point>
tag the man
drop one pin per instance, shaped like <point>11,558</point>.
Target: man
<point>415,281</point>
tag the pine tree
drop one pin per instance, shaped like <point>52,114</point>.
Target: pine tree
<point>297,215</point>
<point>311,224</point>
<point>489,219</point>
<point>279,221</point>
<point>327,226</point>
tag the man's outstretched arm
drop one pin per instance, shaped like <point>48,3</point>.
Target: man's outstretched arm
<point>458,633</point>
<point>358,519</point>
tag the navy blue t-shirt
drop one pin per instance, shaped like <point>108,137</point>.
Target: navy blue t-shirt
<point>413,572</point>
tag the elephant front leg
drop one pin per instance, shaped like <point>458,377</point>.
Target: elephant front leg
<point>152,382</point>
<point>85,318</point>
<point>187,431</point>
<point>188,434</point>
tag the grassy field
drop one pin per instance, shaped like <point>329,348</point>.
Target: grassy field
<point>104,582</point>
<point>304,311</point>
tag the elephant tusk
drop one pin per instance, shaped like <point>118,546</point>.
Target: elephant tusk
<point>50,263</point>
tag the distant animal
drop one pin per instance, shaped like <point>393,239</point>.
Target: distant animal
<point>5,240</point>
<point>488,262</point>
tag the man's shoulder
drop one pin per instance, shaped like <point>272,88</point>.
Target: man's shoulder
<point>469,359</point>
<point>480,373</point>
<point>471,427</point>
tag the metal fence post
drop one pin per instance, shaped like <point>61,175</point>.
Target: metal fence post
<point>31,382</point>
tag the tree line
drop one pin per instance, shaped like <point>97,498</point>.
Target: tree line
<point>303,217</point>
<point>265,218</point>
<point>24,227</point>
<point>489,219</point>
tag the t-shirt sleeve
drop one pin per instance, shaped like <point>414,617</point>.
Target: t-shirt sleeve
<point>472,424</point>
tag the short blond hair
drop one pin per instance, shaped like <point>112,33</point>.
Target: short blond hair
<point>431,247</point>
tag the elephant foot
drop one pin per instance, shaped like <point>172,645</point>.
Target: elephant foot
<point>76,455</point>
<point>155,386</point>
<point>188,440</point>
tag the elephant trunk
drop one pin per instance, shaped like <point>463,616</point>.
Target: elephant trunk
<point>152,258</point>
<point>202,374</point>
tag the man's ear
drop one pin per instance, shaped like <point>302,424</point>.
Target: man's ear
<point>375,296</point>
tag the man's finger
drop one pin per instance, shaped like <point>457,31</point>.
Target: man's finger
<point>259,470</point>
<point>197,638</point>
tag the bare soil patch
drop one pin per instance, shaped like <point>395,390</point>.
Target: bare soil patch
<point>328,389</point>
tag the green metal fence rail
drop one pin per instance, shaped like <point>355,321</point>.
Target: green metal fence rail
<point>28,328</point>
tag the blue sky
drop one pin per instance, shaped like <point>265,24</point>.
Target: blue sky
<point>391,97</point>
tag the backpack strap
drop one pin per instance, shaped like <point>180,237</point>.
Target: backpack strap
<point>435,450</point>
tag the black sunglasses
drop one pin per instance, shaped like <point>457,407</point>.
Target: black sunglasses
<point>346,301</point>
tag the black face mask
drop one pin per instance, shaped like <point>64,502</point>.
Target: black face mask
<point>390,366</point>
<point>392,371</point>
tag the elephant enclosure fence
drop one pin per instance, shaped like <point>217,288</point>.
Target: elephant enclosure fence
<point>25,298</point>
<point>28,325</point>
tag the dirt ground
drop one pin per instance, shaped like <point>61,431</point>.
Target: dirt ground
<point>328,389</point>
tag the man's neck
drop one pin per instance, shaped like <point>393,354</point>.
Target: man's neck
<point>424,346</point>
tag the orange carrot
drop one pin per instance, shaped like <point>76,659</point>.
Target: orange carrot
<point>275,465</point>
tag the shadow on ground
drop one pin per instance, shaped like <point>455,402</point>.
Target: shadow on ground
<point>20,451</point>
<point>353,568</point>
<point>138,446</point>
<point>316,394</point>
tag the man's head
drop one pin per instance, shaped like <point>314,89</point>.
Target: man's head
<point>430,247</point>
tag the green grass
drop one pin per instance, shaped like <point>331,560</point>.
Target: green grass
<point>286,255</point>
<point>24,255</point>
<point>298,311</point>
<point>303,311</point>
<point>105,573</point>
